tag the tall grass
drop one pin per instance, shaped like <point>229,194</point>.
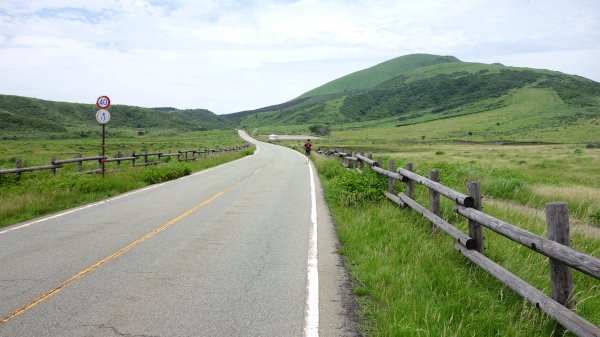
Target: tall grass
<point>411,282</point>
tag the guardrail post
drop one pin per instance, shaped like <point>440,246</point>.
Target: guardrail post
<point>52,170</point>
<point>391,181</point>
<point>434,197</point>
<point>18,165</point>
<point>79,164</point>
<point>475,229</point>
<point>561,275</point>
<point>410,185</point>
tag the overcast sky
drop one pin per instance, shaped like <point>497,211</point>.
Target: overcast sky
<point>228,56</point>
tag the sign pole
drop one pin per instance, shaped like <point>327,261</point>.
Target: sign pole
<point>103,146</point>
<point>103,116</point>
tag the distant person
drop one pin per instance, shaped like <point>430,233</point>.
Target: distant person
<point>307,148</point>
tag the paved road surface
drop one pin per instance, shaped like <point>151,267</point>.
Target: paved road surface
<point>224,252</point>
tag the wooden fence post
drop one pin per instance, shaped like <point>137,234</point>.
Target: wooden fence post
<point>18,164</point>
<point>133,160</point>
<point>118,155</point>
<point>52,170</point>
<point>475,229</point>
<point>159,154</point>
<point>410,185</point>
<point>391,181</point>
<point>379,161</point>
<point>361,164</point>
<point>146,157</point>
<point>79,164</point>
<point>561,275</point>
<point>434,198</point>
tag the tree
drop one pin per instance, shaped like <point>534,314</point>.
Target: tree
<point>319,129</point>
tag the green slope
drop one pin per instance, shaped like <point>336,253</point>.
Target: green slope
<point>23,116</point>
<point>373,76</point>
<point>526,115</point>
<point>446,91</point>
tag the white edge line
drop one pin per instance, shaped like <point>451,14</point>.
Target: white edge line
<point>311,322</point>
<point>27,224</point>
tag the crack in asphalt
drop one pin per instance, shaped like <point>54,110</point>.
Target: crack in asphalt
<point>116,331</point>
<point>263,259</point>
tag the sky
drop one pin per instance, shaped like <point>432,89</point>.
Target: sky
<point>229,56</point>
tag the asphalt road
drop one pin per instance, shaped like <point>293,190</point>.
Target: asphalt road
<point>224,252</point>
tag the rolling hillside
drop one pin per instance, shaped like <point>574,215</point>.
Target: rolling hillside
<point>437,88</point>
<point>30,117</point>
<point>371,77</point>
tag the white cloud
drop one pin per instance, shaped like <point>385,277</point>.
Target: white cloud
<point>229,55</point>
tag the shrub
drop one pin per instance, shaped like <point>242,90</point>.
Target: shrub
<point>506,188</point>
<point>595,216</point>
<point>330,168</point>
<point>356,188</point>
<point>165,173</point>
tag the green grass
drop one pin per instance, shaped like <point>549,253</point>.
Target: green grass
<point>35,152</point>
<point>371,77</point>
<point>39,193</point>
<point>412,283</point>
<point>530,115</point>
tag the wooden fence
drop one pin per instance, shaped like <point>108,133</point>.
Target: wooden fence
<point>136,159</point>
<point>556,247</point>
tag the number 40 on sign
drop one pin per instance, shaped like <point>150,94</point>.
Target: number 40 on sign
<point>103,102</point>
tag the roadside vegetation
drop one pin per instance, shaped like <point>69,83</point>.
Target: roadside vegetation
<point>40,193</point>
<point>411,282</point>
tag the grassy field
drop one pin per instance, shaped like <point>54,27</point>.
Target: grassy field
<point>39,193</point>
<point>39,151</point>
<point>529,115</point>
<point>412,283</point>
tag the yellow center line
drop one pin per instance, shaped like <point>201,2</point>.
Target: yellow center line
<point>106,259</point>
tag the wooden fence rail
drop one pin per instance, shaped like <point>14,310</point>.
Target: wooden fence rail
<point>182,155</point>
<point>556,247</point>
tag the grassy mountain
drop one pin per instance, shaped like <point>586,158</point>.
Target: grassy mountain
<point>373,76</point>
<point>23,116</point>
<point>356,82</point>
<point>437,88</point>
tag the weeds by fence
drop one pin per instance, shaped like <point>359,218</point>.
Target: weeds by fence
<point>556,247</point>
<point>136,159</point>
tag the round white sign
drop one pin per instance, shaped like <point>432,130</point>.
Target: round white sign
<point>102,116</point>
<point>103,102</point>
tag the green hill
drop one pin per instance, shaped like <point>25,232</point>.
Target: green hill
<point>30,117</point>
<point>428,88</point>
<point>359,81</point>
<point>373,76</point>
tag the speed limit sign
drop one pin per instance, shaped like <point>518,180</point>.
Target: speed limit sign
<point>103,102</point>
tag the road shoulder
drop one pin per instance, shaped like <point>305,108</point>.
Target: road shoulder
<point>338,310</point>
